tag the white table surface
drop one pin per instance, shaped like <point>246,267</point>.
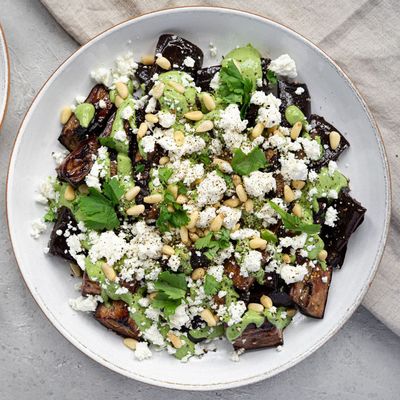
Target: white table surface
<point>361,362</point>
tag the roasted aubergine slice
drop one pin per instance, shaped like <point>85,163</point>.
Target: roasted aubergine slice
<point>89,287</point>
<point>78,163</point>
<point>232,270</point>
<point>205,75</point>
<point>73,134</point>
<point>267,335</point>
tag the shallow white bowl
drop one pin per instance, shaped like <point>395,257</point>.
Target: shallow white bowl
<point>4,75</point>
<point>333,96</point>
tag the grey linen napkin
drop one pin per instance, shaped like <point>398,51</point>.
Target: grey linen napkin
<point>362,35</point>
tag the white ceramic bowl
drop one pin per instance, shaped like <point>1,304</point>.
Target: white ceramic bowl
<point>333,96</point>
<point>4,75</point>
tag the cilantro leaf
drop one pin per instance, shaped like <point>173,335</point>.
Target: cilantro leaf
<point>113,191</point>
<point>213,245</point>
<point>277,319</point>
<point>294,223</point>
<point>162,301</point>
<point>271,77</point>
<point>211,286</point>
<point>177,218</point>
<point>171,290</point>
<point>139,168</point>
<point>203,242</point>
<point>244,164</point>
<point>164,174</point>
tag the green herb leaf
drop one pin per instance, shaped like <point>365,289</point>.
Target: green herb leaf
<point>271,77</point>
<point>220,241</point>
<point>162,301</point>
<point>211,286</point>
<point>139,168</point>
<point>277,319</point>
<point>244,164</point>
<point>113,191</point>
<point>164,174</point>
<point>177,218</point>
<point>203,242</point>
<point>294,223</point>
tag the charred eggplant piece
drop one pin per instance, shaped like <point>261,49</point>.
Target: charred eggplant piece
<point>116,317</point>
<point>267,335</point>
<point>321,128</point>
<point>205,76</point>
<point>58,243</point>
<point>144,73</point>
<point>198,259</point>
<point>349,218</point>
<point>73,134</point>
<point>232,270</point>
<point>89,287</point>
<point>78,163</point>
<point>311,294</point>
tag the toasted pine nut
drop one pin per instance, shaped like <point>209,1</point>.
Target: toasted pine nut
<point>151,118</point>
<point>109,272</point>
<point>233,202</point>
<point>194,115</point>
<point>258,243</point>
<point>297,210</point>
<point>194,216</point>
<point>236,179</point>
<point>205,126</point>
<point>236,227</point>
<point>207,316</point>
<point>167,250</point>
<point>249,205</point>
<point>184,234</point>
<point>286,258</point>
<point>241,193</point>
<point>154,198</point>
<point>194,236</point>
<point>257,307</point>
<point>69,193</point>
<point>198,273</point>
<point>75,269</point>
<point>163,63</point>
<point>223,165</point>
<point>170,208</point>
<point>298,184</point>
<point>288,194</point>
<point>274,130</point>
<point>83,189</point>
<point>208,101</point>
<point>176,86</point>
<point>158,90</point>
<point>142,130</point>
<point>130,343</point>
<point>135,210</point>
<point>179,138</point>
<point>182,199</point>
<point>164,160</point>
<point>257,131</point>
<point>334,140</point>
<point>173,188</point>
<point>122,89</point>
<point>296,129</point>
<point>322,255</point>
<point>291,312</point>
<point>216,223</point>
<point>152,295</point>
<point>65,115</point>
<point>132,193</point>
<point>175,340</point>
<point>147,59</point>
<point>118,100</point>
<point>266,301</point>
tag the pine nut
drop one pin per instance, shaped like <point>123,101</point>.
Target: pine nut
<point>167,250</point>
<point>132,193</point>
<point>109,272</point>
<point>291,312</point>
<point>236,179</point>
<point>298,184</point>
<point>154,198</point>
<point>170,208</point>
<point>249,205</point>
<point>296,129</point>
<point>205,126</point>
<point>236,227</point>
<point>194,115</point>
<point>83,189</point>
<point>257,131</point>
<point>69,193</point>
<point>194,236</point>
<point>297,210</point>
<point>175,340</point>
<point>233,202</point>
<point>322,255</point>
<point>208,101</point>
<point>207,316</point>
<point>142,130</point>
<point>334,140</point>
<point>176,86</point>
<point>122,89</point>
<point>164,160</point>
<point>216,223</point>
<point>118,101</point>
<point>223,165</point>
<point>158,90</point>
<point>257,307</point>
<point>241,193</point>
<point>179,138</point>
<point>65,115</point>
<point>130,343</point>
<point>258,243</point>
<point>184,234</point>
<point>198,273</point>
<point>151,118</point>
<point>147,59</point>
<point>194,216</point>
<point>288,194</point>
<point>163,63</point>
<point>135,210</point>
<point>286,258</point>
<point>173,188</point>
<point>75,269</point>
<point>266,301</point>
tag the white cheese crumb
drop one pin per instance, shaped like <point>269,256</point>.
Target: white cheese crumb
<point>284,65</point>
<point>331,216</point>
<point>211,189</point>
<point>291,274</point>
<point>214,83</point>
<point>189,62</point>
<point>213,49</point>
<point>293,169</point>
<point>37,228</point>
<point>148,144</point>
<point>166,119</point>
<point>85,304</point>
<point>142,351</point>
<point>180,318</point>
<point>300,90</point>
<point>251,262</point>
<point>231,216</point>
<point>236,310</point>
<point>258,183</point>
<point>120,136</point>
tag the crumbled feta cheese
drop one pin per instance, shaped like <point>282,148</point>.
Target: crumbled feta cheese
<point>80,99</point>
<point>46,191</point>
<point>211,189</point>
<point>251,262</point>
<point>216,271</point>
<point>296,242</point>
<point>291,274</point>
<point>102,75</point>
<point>214,83</point>
<point>102,104</point>
<point>85,304</point>
<point>312,175</point>
<point>189,62</point>
<point>37,228</point>
<point>120,136</point>
<point>151,106</point>
<point>293,169</point>
<point>148,144</point>
<point>300,90</point>
<point>331,216</point>
<point>284,65</point>
<point>109,246</point>
<point>245,233</point>
<point>324,279</point>
<point>127,112</point>
<point>332,167</point>
<point>236,310</point>
<point>166,119</point>
<point>332,194</point>
<point>205,217</point>
<point>142,351</point>
<point>180,317</point>
<point>311,147</point>
<point>232,125</point>
<point>154,336</point>
<point>268,114</point>
<point>258,183</point>
<point>186,172</point>
<point>174,262</point>
<point>59,156</point>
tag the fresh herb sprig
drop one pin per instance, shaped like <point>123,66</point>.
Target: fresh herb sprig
<point>244,164</point>
<point>213,242</point>
<point>177,217</point>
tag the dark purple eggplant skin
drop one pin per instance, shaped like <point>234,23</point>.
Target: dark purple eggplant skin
<point>78,163</point>
<point>322,128</point>
<point>267,335</point>
<point>72,134</point>
<point>232,270</point>
<point>311,294</point>
<point>89,287</point>
<point>204,77</point>
<point>198,259</point>
<point>58,243</point>
<point>350,217</point>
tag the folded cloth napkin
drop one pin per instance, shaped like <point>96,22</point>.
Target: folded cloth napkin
<point>362,35</point>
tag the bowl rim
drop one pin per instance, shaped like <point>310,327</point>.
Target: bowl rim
<point>350,310</point>
<point>3,111</point>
